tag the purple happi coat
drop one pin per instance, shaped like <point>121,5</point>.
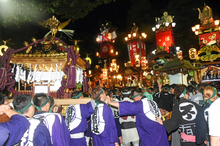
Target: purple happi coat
<point>37,134</point>
<point>104,132</point>
<point>150,132</point>
<point>76,121</point>
<point>16,126</point>
<point>56,125</point>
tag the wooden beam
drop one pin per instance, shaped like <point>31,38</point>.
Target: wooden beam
<point>69,101</point>
<point>72,101</point>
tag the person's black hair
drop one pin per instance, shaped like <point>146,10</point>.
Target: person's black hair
<point>75,93</point>
<point>51,100</point>
<point>217,85</point>
<point>86,94</point>
<point>156,86</point>
<point>173,86</point>
<point>137,90</point>
<point>151,89</point>
<point>166,87</point>
<point>179,90</point>
<point>2,99</point>
<point>97,83</point>
<point>130,88</point>
<point>190,88</point>
<point>21,101</point>
<point>193,83</point>
<point>125,89</point>
<point>107,91</point>
<point>95,93</point>
<point>201,87</point>
<point>212,84</point>
<point>39,99</point>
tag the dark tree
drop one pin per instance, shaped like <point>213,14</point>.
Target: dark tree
<point>16,11</point>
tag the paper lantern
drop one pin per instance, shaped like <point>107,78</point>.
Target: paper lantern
<point>137,60</point>
<point>192,53</point>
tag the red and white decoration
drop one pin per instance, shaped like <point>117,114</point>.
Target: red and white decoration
<point>106,50</point>
<point>143,63</point>
<point>165,38</point>
<point>106,36</point>
<point>105,74</point>
<point>134,49</point>
<point>209,38</point>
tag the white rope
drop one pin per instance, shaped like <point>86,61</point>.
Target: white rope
<point>60,73</point>
<point>55,74</point>
<point>12,70</point>
<point>17,73</point>
<point>20,73</point>
<point>29,75</point>
<point>34,74</point>
<point>39,79</point>
<point>50,72</point>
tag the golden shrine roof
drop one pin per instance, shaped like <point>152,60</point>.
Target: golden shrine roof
<point>47,59</point>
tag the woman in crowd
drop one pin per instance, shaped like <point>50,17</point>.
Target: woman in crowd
<point>202,134</point>
<point>198,97</point>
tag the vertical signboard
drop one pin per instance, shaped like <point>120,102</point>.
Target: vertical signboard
<point>165,38</point>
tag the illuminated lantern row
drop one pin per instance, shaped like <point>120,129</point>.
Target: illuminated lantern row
<point>107,53</point>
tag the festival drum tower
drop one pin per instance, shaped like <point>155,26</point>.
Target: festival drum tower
<point>209,52</point>
<point>167,61</point>
<point>136,47</point>
<point>164,32</point>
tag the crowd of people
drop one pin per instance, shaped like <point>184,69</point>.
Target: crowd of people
<point>161,115</point>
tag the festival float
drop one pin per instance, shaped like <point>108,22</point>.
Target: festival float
<point>106,73</point>
<point>167,61</point>
<point>132,71</point>
<point>209,52</point>
<point>46,65</point>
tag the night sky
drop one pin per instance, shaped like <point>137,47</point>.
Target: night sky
<point>87,28</point>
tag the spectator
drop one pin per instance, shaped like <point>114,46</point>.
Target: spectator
<point>202,133</point>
